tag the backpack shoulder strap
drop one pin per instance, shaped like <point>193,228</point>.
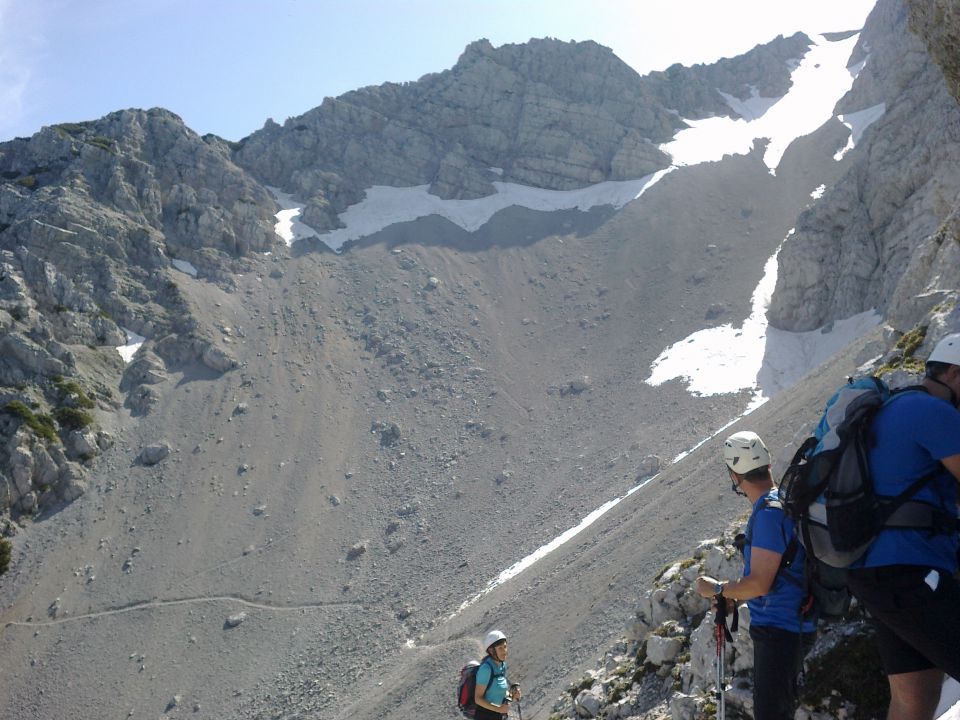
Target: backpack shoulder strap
<point>493,672</point>
<point>790,551</point>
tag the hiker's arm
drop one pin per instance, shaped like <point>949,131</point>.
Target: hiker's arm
<point>763,571</point>
<point>952,464</point>
<point>481,702</point>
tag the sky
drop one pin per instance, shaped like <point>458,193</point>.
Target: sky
<point>225,66</point>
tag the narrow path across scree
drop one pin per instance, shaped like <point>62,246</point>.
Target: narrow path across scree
<point>151,604</point>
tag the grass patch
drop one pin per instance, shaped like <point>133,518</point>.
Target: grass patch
<point>910,341</point>
<point>907,345</point>
<point>42,425</point>
<point>28,181</point>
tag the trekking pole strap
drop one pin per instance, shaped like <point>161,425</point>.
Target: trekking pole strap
<point>720,619</point>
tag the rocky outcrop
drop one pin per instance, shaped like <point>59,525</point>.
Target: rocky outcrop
<point>546,113</point>
<point>877,238</point>
<point>764,71</point>
<point>937,23</point>
<point>115,201</point>
<point>91,217</point>
<point>665,666</point>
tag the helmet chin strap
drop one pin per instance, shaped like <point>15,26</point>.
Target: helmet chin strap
<point>734,486</point>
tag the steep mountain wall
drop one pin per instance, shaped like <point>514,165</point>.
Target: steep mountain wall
<point>547,113</point>
<point>875,239</point>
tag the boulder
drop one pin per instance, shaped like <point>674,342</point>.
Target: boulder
<point>217,359</point>
<point>154,453</point>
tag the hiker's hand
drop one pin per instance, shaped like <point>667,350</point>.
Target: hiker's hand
<point>705,586</point>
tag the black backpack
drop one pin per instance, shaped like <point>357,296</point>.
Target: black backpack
<point>828,491</point>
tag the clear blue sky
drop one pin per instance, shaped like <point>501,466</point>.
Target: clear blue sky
<point>225,66</point>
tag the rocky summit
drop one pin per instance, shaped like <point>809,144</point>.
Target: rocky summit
<point>245,476</point>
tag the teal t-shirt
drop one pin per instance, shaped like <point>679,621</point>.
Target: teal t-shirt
<point>497,692</point>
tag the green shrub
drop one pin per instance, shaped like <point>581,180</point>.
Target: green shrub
<point>72,387</point>
<point>28,181</point>
<point>42,425</point>
<point>72,418</point>
<point>6,551</point>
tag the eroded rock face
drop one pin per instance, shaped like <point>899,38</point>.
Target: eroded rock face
<point>546,113</point>
<point>873,242</point>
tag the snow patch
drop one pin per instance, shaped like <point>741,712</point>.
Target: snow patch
<point>858,122</point>
<point>134,342</point>
<point>184,267</point>
<point>754,356</point>
<point>288,225</point>
<point>545,550</point>
<point>818,192</point>
<point>817,83</point>
<point>383,206</point>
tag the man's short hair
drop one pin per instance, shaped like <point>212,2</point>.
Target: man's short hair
<point>757,474</point>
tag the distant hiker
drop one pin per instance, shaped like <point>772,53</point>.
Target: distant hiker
<point>772,582</point>
<point>494,692</point>
<point>906,579</point>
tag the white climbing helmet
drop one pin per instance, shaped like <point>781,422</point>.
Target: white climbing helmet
<point>947,350</point>
<point>493,637</point>
<point>745,451</point>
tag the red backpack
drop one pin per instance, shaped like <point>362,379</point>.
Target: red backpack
<point>467,687</point>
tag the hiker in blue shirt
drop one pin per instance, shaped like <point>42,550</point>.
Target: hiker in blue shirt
<point>906,578</point>
<point>781,635</point>
<point>494,693</point>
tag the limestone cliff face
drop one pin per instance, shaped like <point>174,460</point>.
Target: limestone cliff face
<point>937,23</point>
<point>876,240</point>
<point>91,216</point>
<point>110,203</point>
<point>546,113</point>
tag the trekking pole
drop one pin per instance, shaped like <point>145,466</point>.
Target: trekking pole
<point>722,634</point>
